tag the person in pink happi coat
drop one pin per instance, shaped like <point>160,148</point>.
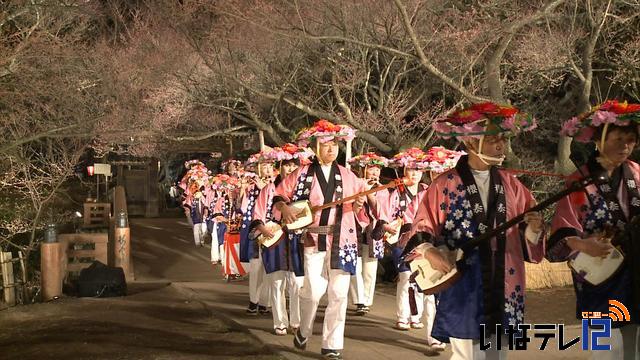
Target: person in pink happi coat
<point>330,242</point>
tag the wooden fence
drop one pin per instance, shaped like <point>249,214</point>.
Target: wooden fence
<point>12,284</point>
<point>81,250</point>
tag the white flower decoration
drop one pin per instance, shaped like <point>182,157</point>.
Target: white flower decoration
<point>449,225</point>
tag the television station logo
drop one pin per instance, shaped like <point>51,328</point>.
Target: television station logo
<point>596,327</point>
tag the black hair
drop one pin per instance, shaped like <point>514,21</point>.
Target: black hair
<point>628,129</point>
<point>290,161</point>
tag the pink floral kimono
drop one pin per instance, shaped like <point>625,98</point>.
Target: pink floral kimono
<point>305,183</point>
<point>491,289</point>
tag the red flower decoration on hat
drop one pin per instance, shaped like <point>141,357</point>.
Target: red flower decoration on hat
<point>290,148</point>
<point>325,125</point>
<point>583,127</point>
<point>472,121</point>
<point>619,108</point>
<point>324,131</point>
<point>465,116</point>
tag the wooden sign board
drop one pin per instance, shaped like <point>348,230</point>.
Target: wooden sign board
<point>102,169</point>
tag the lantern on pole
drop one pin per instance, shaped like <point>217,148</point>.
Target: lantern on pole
<point>121,220</point>
<point>51,234</point>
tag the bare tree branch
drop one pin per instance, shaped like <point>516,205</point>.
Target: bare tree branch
<point>41,135</point>
<point>425,61</point>
<point>494,79</point>
<point>211,134</point>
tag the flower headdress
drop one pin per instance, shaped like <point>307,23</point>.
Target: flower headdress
<point>227,163</point>
<point>325,131</point>
<point>193,163</point>
<point>290,151</point>
<point>198,174</point>
<point>267,155</point>
<point>224,182</point>
<point>412,158</point>
<point>369,159</point>
<point>441,159</point>
<point>583,127</point>
<point>475,121</point>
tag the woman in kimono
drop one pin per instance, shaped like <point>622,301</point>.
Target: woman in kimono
<point>293,157</point>
<point>195,169</point>
<point>212,195</point>
<point>281,262</point>
<point>194,203</point>
<point>582,218</point>
<point>330,242</point>
<point>436,161</point>
<point>226,210</point>
<point>397,207</point>
<point>250,251</point>
<point>370,250</point>
<point>219,205</point>
<point>196,208</point>
<point>464,203</point>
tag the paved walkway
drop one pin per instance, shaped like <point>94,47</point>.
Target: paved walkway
<point>367,337</point>
<point>182,309</point>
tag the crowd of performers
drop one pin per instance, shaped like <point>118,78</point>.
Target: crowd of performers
<point>366,216</point>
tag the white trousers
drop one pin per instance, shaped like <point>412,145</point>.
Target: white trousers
<point>430,313</point>
<point>258,289</point>
<point>403,310</point>
<point>199,232</point>
<point>319,279</point>
<point>278,282</point>
<point>625,344</point>
<point>223,260</point>
<point>363,283</point>
<point>369,273</point>
<point>467,349</point>
<point>356,285</point>
<point>294,284</point>
<point>215,249</point>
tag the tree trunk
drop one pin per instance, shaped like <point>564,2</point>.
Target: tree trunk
<point>563,162</point>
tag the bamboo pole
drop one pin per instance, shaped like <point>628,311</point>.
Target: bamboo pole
<point>7,278</point>
<point>23,270</point>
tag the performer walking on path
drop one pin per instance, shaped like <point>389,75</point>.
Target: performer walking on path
<point>370,250</point>
<point>281,259</point>
<point>330,243</point>
<point>583,218</point>
<point>464,203</point>
<point>396,209</point>
<point>250,251</point>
